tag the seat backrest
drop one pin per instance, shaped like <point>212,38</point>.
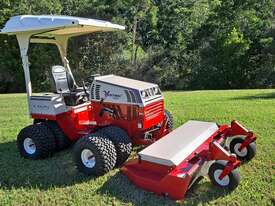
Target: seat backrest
<point>60,79</point>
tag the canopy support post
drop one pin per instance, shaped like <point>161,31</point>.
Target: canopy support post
<point>62,44</point>
<point>24,41</point>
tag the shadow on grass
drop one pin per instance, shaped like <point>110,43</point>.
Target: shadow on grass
<point>121,188</point>
<point>265,96</point>
<point>59,171</point>
<point>17,172</point>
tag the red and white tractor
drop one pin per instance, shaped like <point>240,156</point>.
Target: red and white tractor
<point>108,114</point>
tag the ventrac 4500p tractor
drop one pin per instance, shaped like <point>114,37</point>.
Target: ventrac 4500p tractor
<point>104,118</point>
<point>108,114</point>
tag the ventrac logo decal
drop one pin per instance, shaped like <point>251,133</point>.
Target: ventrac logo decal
<point>112,95</point>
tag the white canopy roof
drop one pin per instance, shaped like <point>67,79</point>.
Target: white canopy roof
<point>51,29</point>
<point>52,25</point>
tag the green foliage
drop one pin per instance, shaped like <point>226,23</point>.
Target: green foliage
<point>11,72</point>
<point>232,48</point>
<point>190,44</point>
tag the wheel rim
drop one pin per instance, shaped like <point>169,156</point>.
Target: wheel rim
<point>88,158</point>
<point>222,182</point>
<point>29,146</point>
<point>240,153</point>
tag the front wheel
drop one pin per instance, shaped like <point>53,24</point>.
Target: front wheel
<point>121,142</point>
<point>229,182</point>
<point>170,120</point>
<point>94,155</point>
<point>246,153</point>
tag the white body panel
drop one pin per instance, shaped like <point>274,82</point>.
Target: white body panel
<point>125,82</point>
<point>172,149</point>
<point>51,104</point>
<point>117,89</point>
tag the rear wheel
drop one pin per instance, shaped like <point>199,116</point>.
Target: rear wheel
<point>247,153</point>
<point>121,141</point>
<point>94,155</point>
<point>229,182</point>
<point>36,141</point>
<point>170,121</point>
<point>62,142</point>
<point>35,121</point>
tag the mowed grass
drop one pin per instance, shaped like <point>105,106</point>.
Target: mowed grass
<point>55,181</point>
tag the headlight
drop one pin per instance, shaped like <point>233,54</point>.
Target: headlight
<point>156,90</point>
<point>143,94</point>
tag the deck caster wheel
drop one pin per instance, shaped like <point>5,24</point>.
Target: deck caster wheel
<point>246,153</point>
<point>94,155</point>
<point>229,182</point>
<point>36,141</point>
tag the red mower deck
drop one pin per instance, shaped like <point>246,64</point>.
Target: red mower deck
<point>172,164</point>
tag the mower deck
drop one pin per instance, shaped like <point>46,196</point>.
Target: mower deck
<point>179,144</point>
<point>171,165</point>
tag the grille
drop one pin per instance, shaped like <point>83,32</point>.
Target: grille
<point>153,110</point>
<point>97,92</point>
<point>93,92</point>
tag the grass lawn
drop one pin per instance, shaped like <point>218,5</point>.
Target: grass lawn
<point>55,181</point>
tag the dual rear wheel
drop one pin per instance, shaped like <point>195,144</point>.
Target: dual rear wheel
<point>41,140</point>
<point>98,153</point>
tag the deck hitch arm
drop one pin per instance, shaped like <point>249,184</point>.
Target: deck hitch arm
<point>250,137</point>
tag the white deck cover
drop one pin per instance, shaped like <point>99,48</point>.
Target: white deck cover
<point>125,82</point>
<point>172,149</point>
<point>57,25</point>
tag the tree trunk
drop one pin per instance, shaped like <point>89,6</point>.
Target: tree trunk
<point>134,40</point>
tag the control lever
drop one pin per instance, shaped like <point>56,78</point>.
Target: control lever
<point>105,109</point>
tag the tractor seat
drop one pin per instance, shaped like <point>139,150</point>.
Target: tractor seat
<point>64,84</point>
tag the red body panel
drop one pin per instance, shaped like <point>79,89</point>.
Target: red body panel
<point>87,118</point>
<point>175,181</point>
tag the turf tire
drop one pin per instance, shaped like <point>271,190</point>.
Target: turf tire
<point>42,137</point>
<point>62,141</point>
<point>121,141</point>
<point>103,150</point>
<point>170,120</point>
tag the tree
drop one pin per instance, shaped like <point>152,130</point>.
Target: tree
<point>231,45</point>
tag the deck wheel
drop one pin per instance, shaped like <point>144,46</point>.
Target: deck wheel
<point>229,182</point>
<point>246,153</point>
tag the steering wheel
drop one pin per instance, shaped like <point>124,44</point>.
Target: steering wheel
<point>84,85</point>
<point>87,82</point>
